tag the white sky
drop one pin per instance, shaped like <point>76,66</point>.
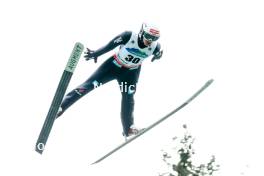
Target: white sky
<point>202,39</point>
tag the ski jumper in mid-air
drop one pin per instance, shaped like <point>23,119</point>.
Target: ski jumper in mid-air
<point>124,66</point>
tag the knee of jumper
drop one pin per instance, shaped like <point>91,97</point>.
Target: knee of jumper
<point>80,91</point>
<point>87,86</point>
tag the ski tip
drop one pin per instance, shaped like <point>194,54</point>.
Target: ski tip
<point>79,44</point>
<point>210,81</point>
<point>96,162</point>
<point>93,163</point>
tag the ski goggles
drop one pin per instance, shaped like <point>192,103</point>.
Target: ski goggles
<point>150,37</point>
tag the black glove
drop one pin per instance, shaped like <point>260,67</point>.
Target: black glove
<point>157,55</point>
<point>90,54</point>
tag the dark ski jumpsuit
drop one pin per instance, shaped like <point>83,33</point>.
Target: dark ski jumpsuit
<point>127,79</point>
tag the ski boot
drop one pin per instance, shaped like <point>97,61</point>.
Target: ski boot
<point>133,131</point>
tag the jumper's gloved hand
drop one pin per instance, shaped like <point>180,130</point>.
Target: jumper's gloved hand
<point>157,55</point>
<point>90,54</point>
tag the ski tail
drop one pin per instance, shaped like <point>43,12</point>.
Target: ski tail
<point>57,99</point>
<point>207,84</point>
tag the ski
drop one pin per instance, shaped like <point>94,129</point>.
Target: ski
<point>207,84</point>
<point>57,99</point>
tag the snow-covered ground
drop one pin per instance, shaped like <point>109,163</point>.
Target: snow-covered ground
<point>205,39</point>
